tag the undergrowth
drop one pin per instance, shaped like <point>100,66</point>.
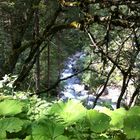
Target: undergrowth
<point>32,118</point>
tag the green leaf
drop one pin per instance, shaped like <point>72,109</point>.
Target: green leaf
<point>10,125</point>
<point>10,107</point>
<point>2,134</point>
<point>28,138</point>
<point>15,139</point>
<point>49,130</point>
<point>98,122</point>
<point>132,126</point>
<point>117,117</point>
<point>40,132</point>
<point>61,137</point>
<point>71,111</point>
<point>134,111</point>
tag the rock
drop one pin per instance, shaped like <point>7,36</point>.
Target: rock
<point>86,87</point>
<point>105,92</point>
<point>74,70</point>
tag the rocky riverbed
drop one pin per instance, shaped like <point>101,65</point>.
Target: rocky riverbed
<point>74,89</point>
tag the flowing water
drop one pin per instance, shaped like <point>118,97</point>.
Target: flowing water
<point>74,89</point>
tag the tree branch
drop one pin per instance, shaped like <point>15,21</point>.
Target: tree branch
<point>63,79</point>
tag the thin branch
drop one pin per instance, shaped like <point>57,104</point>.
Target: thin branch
<point>97,45</point>
<point>63,79</point>
<point>104,87</point>
<point>127,75</point>
<point>26,68</point>
<point>136,92</point>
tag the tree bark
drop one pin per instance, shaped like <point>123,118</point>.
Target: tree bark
<point>48,66</point>
<point>63,79</point>
<point>58,59</point>
<point>36,34</point>
<point>17,31</point>
<point>136,92</point>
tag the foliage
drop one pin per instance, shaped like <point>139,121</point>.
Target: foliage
<point>98,122</point>
<point>107,31</point>
<point>32,118</point>
<point>6,85</point>
<point>69,111</point>
<point>10,107</point>
<point>47,130</point>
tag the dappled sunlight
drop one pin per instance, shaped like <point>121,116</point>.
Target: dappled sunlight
<point>78,91</point>
<point>69,70</point>
<point>71,111</point>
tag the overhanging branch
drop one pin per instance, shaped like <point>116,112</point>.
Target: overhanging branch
<point>63,79</point>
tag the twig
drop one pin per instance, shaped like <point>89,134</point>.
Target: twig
<point>63,79</point>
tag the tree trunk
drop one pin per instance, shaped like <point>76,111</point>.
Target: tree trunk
<point>58,59</point>
<point>48,64</point>
<point>9,65</point>
<point>126,79</point>
<point>36,34</point>
<point>136,92</point>
<point>16,29</point>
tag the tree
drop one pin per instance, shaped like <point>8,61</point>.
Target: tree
<point>119,28</point>
<point>19,21</point>
<point>36,35</point>
<point>111,26</point>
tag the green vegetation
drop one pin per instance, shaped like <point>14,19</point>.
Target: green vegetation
<point>32,118</point>
<point>37,37</point>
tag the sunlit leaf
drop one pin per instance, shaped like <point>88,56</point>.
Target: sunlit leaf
<point>75,24</point>
<point>134,111</point>
<point>71,111</point>
<point>10,107</point>
<point>132,126</point>
<point>117,117</point>
<point>2,134</point>
<point>61,137</point>
<point>28,138</point>
<point>11,124</point>
<point>98,122</point>
<point>49,130</point>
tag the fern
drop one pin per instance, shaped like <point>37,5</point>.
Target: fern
<point>37,119</point>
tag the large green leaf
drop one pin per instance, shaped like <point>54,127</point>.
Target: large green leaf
<point>2,134</point>
<point>10,107</point>
<point>49,130</point>
<point>117,117</point>
<point>61,137</point>
<point>71,111</point>
<point>10,125</point>
<point>134,111</point>
<point>98,122</point>
<point>132,123</point>
<point>132,126</point>
<point>28,138</point>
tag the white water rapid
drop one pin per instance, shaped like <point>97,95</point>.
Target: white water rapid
<point>74,89</point>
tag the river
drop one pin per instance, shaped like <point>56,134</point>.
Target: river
<point>74,89</point>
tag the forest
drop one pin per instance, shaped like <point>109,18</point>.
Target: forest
<point>69,70</point>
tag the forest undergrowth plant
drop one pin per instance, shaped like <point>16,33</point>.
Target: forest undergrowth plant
<point>33,118</point>
<point>6,85</point>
